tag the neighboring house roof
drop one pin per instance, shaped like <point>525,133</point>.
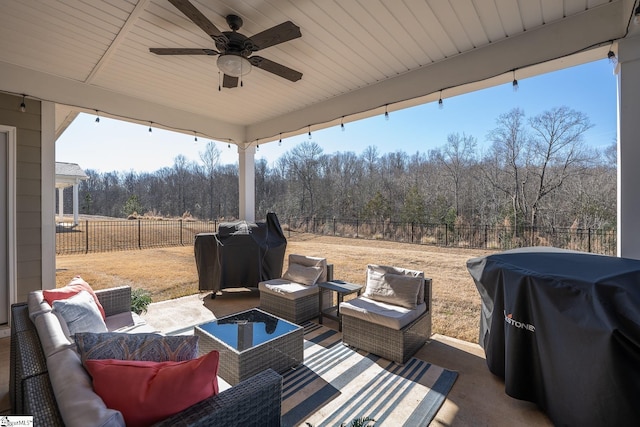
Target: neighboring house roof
<point>69,174</point>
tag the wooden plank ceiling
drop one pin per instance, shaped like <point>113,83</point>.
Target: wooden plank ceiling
<point>346,46</point>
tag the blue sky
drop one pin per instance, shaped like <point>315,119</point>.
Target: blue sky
<point>112,145</point>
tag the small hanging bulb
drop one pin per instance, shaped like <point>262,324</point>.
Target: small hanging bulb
<point>195,137</point>
<point>97,117</point>
<point>309,132</point>
<point>229,146</point>
<point>440,103</point>
<point>150,124</point>
<point>219,82</point>
<point>342,124</point>
<point>257,147</point>
<point>23,106</point>
<point>280,142</point>
<point>386,113</point>
<point>515,82</point>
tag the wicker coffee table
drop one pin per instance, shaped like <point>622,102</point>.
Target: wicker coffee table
<point>250,342</point>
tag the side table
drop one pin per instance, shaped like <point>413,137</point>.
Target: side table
<point>342,288</point>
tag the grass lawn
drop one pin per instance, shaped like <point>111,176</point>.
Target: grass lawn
<point>171,272</point>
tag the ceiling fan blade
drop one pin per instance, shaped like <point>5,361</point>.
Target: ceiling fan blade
<point>275,35</point>
<point>182,51</point>
<point>200,20</point>
<point>275,68</point>
<point>228,81</point>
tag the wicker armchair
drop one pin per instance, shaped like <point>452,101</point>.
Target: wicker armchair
<point>378,328</point>
<point>291,300</point>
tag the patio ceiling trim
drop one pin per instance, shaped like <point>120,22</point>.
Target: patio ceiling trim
<point>47,87</point>
<point>473,70</point>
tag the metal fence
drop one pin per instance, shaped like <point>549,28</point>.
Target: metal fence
<point>483,237</point>
<point>118,235</point>
<point>104,236</point>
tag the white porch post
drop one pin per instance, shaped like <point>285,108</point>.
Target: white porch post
<point>75,204</point>
<point>61,204</point>
<point>629,148</point>
<point>247,182</point>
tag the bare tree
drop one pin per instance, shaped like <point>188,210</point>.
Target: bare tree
<point>509,157</point>
<point>558,151</point>
<point>303,162</point>
<point>456,157</point>
<point>210,158</point>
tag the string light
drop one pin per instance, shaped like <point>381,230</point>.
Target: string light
<point>515,82</point>
<point>23,106</point>
<point>386,112</point>
<point>342,124</point>
<point>229,146</point>
<point>220,88</point>
<point>440,103</point>
<point>280,142</point>
<point>195,137</point>
<point>97,117</point>
<point>150,124</point>
<point>309,132</point>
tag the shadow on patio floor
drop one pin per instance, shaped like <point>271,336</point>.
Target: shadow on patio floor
<point>477,397</point>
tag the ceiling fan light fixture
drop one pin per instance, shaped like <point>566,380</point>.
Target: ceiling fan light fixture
<point>234,65</point>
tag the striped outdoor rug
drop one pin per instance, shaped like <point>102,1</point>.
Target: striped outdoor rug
<point>337,384</point>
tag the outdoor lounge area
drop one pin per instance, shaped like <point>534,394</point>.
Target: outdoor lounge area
<point>173,65</point>
<point>465,404</point>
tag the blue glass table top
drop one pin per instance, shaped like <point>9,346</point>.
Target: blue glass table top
<point>247,329</point>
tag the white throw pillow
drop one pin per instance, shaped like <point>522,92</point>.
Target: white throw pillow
<point>80,313</point>
<point>304,275</point>
<point>396,289</point>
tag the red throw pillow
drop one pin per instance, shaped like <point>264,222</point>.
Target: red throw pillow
<point>72,288</point>
<point>148,392</point>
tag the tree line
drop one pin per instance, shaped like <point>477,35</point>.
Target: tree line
<point>535,172</point>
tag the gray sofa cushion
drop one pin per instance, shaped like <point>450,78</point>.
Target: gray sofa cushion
<point>37,304</point>
<point>52,336</point>
<point>128,322</point>
<point>389,315</point>
<point>79,405</point>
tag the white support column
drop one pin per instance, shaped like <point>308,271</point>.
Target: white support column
<point>75,204</point>
<point>247,182</point>
<point>629,148</point>
<point>48,182</point>
<point>61,204</point>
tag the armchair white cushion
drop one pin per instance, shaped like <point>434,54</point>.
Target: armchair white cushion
<point>294,296</point>
<point>393,316</point>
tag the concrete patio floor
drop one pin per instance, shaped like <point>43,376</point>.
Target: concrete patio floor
<point>476,399</point>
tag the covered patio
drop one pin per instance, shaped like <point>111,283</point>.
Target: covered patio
<point>357,60</point>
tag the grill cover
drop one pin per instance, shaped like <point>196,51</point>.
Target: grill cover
<point>240,254</point>
<point>563,330</point>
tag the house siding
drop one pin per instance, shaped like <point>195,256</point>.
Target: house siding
<point>28,190</point>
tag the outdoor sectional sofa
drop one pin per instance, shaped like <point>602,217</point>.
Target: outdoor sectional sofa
<point>48,380</point>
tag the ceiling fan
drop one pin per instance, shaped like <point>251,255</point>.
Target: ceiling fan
<point>234,49</point>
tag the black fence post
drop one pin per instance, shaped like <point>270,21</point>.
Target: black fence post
<point>181,241</point>
<point>446,235</point>
<point>411,231</point>
<point>486,229</point>
<point>86,236</point>
<point>589,239</point>
<point>139,234</point>
<point>334,225</point>
<point>356,227</point>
